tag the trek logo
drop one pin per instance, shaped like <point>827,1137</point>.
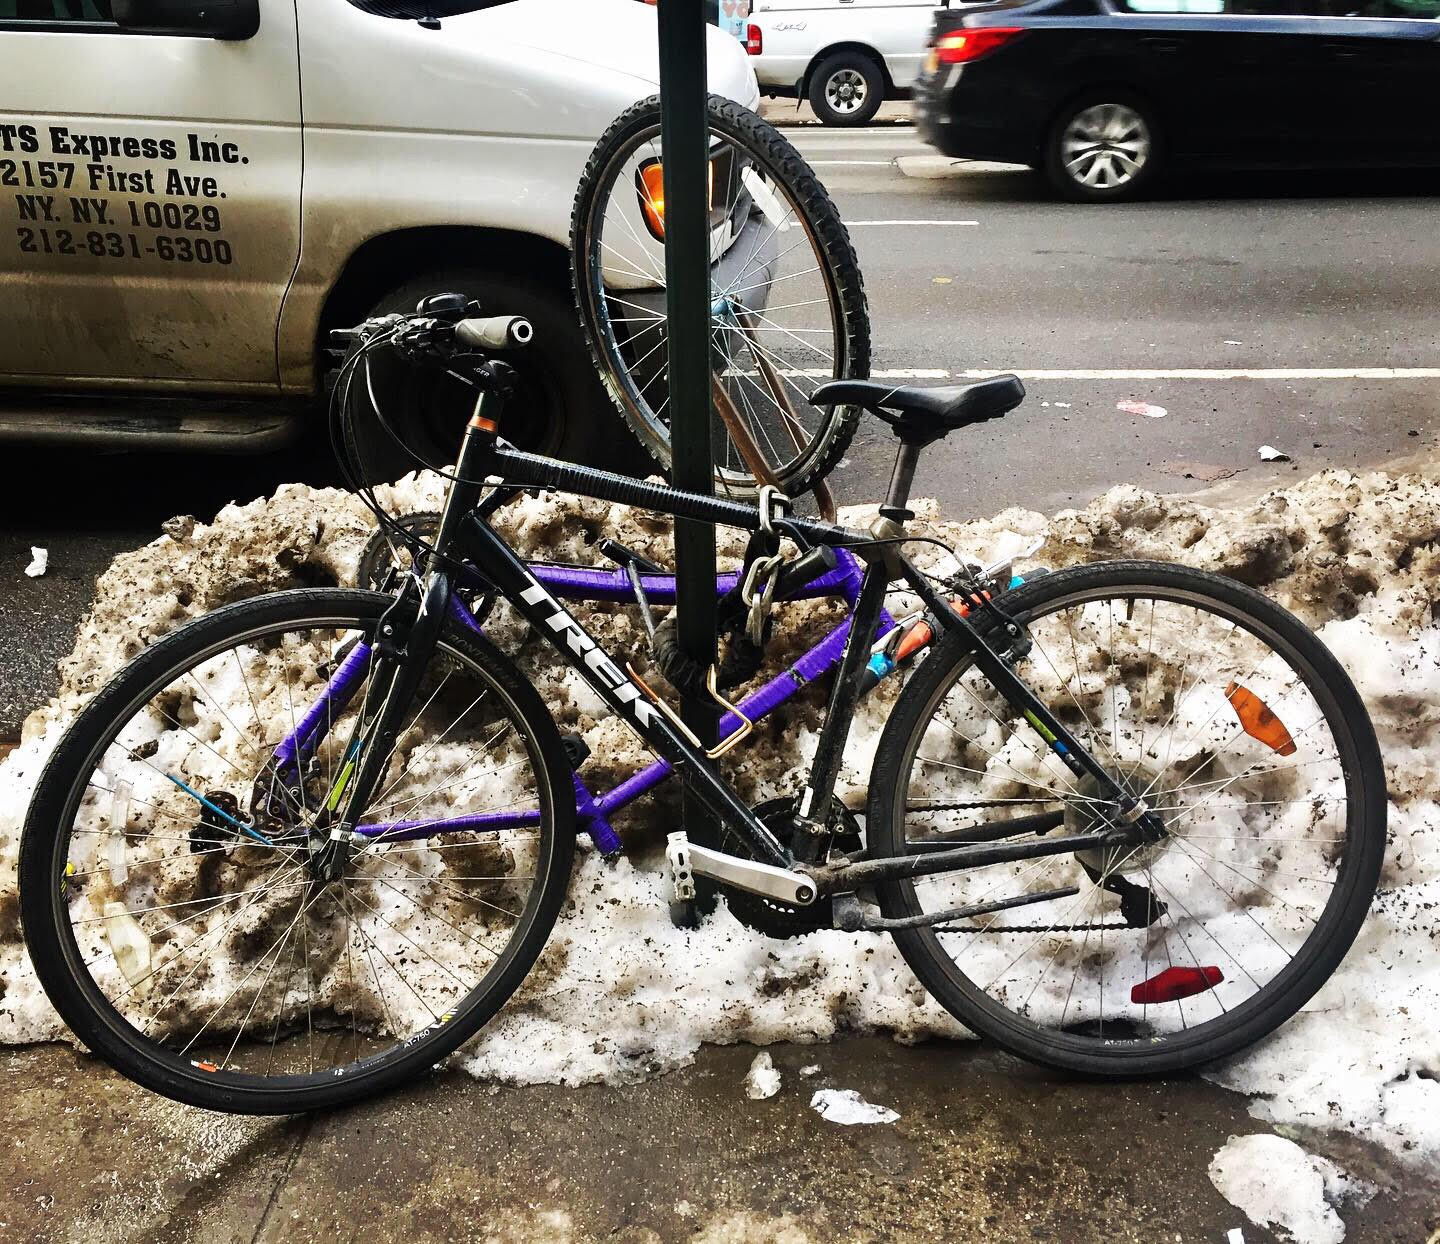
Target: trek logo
<point>583,646</point>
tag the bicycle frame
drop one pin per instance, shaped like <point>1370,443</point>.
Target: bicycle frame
<point>579,583</point>
<point>536,593</point>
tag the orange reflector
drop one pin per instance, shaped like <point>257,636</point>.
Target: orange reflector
<point>1258,721</point>
<point>1175,983</point>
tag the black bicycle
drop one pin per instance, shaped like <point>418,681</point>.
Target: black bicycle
<point>1124,818</point>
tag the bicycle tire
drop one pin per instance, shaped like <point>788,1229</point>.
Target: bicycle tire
<point>845,287</point>
<point>49,932</point>
<point>1279,998</point>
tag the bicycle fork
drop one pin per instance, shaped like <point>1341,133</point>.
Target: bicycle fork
<point>400,657</point>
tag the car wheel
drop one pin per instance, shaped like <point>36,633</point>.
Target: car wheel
<point>846,89</point>
<point>1103,147</point>
<point>558,408</point>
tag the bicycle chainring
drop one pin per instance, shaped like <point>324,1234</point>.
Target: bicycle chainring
<point>771,916</point>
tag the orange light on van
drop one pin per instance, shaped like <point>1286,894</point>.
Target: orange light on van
<point>650,183</point>
<point>650,187</point>
<point>959,46</point>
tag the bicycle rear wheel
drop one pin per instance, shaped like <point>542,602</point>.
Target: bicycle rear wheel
<point>1242,733</point>
<point>787,304</point>
<point>168,904</point>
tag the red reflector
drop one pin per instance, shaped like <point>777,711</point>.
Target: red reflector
<point>754,40</point>
<point>1175,983</point>
<point>959,46</point>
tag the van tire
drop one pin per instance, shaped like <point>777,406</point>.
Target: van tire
<point>559,407</point>
<point>842,72</point>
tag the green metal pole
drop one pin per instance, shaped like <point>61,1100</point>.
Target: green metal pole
<point>684,131</point>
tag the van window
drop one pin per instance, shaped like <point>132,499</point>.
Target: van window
<point>89,11</point>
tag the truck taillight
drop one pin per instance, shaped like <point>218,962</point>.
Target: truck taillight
<point>958,46</point>
<point>754,40</point>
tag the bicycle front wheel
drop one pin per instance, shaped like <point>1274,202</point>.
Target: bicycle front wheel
<point>787,305</point>
<point>169,900</point>
<point>1236,727</point>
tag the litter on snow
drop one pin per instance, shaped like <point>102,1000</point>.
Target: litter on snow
<point>848,1107</point>
<point>1148,409</point>
<point>762,1080</point>
<point>1276,1183</point>
<point>1268,453</point>
<point>39,561</point>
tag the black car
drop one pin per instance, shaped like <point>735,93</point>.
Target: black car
<point>1100,94</point>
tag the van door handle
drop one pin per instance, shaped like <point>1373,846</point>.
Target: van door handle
<point>1161,45</point>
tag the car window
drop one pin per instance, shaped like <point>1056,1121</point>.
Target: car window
<point>55,11</point>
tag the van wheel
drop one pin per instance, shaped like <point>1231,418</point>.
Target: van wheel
<point>559,407</point>
<point>846,89</point>
<point>1103,147</point>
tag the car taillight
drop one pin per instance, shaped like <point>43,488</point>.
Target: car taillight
<point>754,40</point>
<point>958,46</point>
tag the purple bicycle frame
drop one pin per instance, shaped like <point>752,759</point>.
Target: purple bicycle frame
<point>586,583</point>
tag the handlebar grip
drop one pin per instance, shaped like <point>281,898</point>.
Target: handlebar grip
<point>494,332</point>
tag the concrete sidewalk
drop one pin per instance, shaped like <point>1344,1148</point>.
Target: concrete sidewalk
<point>985,1148</point>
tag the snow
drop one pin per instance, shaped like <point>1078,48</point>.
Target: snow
<point>621,994</point>
<point>848,1107</point>
<point>39,561</point>
<point>762,1080</point>
<point>1278,1184</point>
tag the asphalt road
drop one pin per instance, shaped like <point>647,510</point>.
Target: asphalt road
<point>1254,310</point>
<point>1310,287</point>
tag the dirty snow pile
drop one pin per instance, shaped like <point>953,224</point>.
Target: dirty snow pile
<point>619,993</point>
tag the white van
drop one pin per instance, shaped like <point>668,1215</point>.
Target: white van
<point>192,195</point>
<point>846,56</point>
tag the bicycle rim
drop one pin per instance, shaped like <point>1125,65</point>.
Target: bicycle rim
<point>1242,735</point>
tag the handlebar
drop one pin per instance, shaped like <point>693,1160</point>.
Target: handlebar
<point>494,332</point>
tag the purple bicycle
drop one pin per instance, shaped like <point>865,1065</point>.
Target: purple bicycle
<point>1123,818</point>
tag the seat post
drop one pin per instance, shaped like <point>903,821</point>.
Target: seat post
<point>896,500</point>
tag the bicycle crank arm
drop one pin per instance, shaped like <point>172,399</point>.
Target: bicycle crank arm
<point>686,857</point>
<point>850,917</point>
<point>837,878</point>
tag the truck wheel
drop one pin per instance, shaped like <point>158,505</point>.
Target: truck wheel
<point>559,407</point>
<point>1103,147</point>
<point>846,89</point>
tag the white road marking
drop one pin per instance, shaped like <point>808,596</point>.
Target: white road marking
<point>1217,373</point>
<point>858,223</point>
<point>1147,373</point>
<point>849,163</point>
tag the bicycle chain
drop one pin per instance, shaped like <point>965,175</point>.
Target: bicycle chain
<point>979,803</point>
<point>1029,928</point>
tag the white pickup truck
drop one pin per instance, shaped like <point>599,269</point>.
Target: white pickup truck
<point>846,56</point>
<point>192,195</point>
